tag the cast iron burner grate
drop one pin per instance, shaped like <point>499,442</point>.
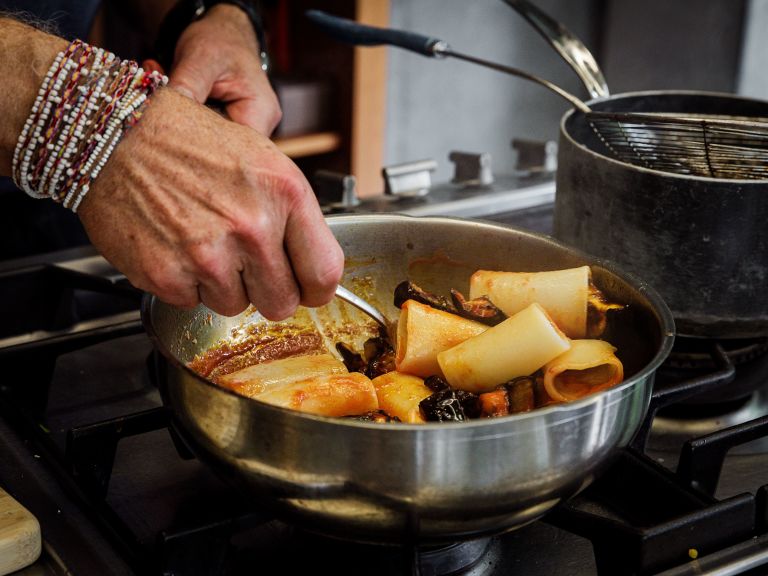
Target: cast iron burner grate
<point>696,357</point>
<point>695,353</point>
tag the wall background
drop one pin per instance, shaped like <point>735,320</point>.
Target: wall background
<point>434,107</point>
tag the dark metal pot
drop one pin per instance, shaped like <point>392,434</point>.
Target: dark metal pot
<point>701,242</point>
<point>414,483</point>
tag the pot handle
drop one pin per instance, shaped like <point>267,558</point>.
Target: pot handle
<point>362,35</point>
<point>351,32</point>
<point>681,390</point>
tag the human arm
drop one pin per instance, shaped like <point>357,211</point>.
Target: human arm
<point>217,57</point>
<point>190,206</point>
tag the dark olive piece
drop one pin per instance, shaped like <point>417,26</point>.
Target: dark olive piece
<point>352,360</point>
<point>409,291</point>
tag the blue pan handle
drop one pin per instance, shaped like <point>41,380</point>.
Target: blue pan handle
<point>361,35</point>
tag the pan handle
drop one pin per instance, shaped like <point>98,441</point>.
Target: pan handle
<point>362,35</point>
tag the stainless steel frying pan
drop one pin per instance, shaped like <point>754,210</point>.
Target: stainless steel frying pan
<point>413,483</point>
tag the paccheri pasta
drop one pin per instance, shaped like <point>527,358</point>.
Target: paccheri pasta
<point>562,293</point>
<point>424,332</point>
<point>521,341</point>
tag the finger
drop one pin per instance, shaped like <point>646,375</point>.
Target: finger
<point>254,113</point>
<point>172,286</point>
<point>267,274</point>
<point>218,275</point>
<point>275,295</point>
<point>192,81</point>
<point>316,257</point>
<point>226,296</point>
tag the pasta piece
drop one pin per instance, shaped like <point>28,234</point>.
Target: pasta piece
<point>589,366</point>
<point>423,331</point>
<point>259,378</point>
<point>326,395</point>
<point>562,293</point>
<point>399,395</point>
<point>517,347</point>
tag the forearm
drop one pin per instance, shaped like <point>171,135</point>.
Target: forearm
<point>27,55</point>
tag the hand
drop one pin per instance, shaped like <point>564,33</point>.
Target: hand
<point>218,57</point>
<point>193,207</point>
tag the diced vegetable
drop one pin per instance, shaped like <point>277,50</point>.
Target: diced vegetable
<point>399,395</point>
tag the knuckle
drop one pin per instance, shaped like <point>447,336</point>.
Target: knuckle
<point>253,228</point>
<point>276,116</point>
<point>206,261</point>
<point>293,188</point>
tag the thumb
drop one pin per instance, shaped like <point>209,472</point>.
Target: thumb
<point>249,112</point>
<point>192,81</point>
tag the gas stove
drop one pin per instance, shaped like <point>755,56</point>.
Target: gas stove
<point>86,446</point>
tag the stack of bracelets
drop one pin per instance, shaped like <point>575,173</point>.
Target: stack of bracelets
<point>87,101</point>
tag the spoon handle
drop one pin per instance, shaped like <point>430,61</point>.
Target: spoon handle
<point>572,50</point>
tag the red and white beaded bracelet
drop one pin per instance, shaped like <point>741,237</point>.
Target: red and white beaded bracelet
<point>86,102</point>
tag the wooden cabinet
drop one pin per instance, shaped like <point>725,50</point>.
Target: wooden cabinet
<point>352,138</point>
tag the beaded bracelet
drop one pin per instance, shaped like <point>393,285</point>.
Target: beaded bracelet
<point>86,102</point>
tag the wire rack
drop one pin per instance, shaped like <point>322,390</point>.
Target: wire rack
<point>728,147</point>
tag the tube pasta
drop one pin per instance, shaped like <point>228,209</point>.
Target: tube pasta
<point>589,366</point>
<point>326,395</point>
<point>518,346</point>
<point>259,378</point>
<point>423,332</point>
<point>399,395</point>
<point>562,293</point>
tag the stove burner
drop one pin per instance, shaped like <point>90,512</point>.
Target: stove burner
<point>693,357</point>
<point>733,402</point>
<point>450,559</point>
<point>694,354</point>
<point>670,430</point>
<point>467,558</point>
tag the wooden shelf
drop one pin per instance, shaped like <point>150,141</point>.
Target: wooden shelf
<point>309,144</point>
<point>354,123</point>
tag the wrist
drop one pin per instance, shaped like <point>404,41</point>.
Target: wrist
<point>186,12</point>
<point>87,100</point>
<point>27,55</point>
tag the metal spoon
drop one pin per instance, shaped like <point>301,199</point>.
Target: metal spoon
<point>363,305</point>
<point>572,50</point>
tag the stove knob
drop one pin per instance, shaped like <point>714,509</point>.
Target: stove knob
<point>334,190</point>
<point>471,169</point>
<point>535,156</point>
<point>409,179</point>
